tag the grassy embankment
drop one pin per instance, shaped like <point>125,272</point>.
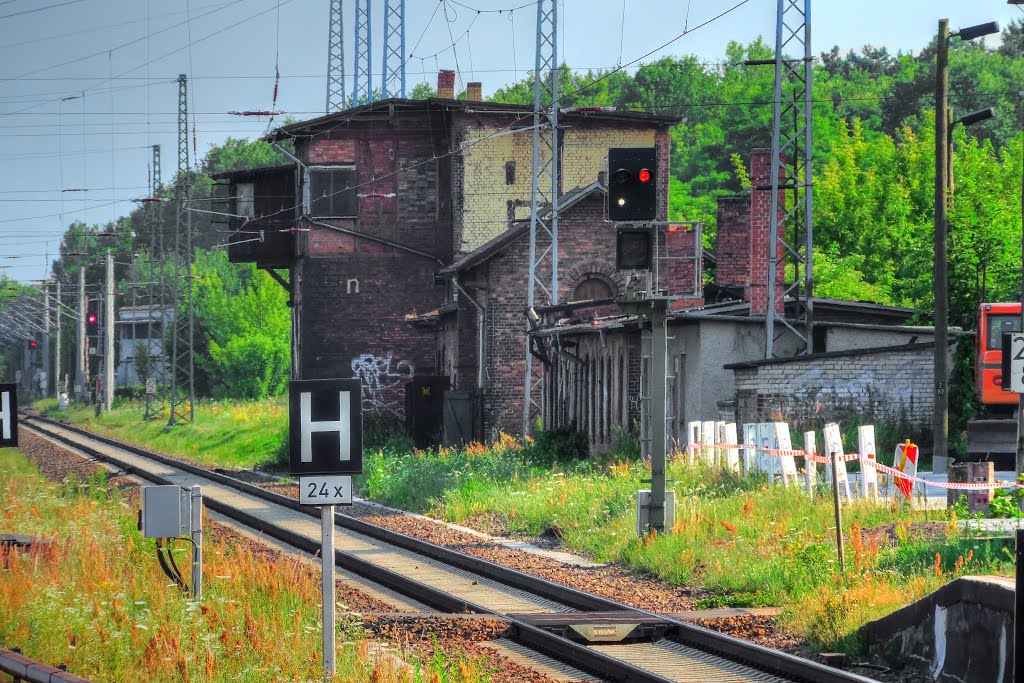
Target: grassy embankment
<point>97,601</point>
<point>224,433</point>
<point>745,542</point>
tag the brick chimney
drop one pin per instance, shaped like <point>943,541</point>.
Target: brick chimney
<point>475,91</point>
<point>744,228</point>
<point>446,84</point>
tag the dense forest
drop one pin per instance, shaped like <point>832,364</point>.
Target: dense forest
<point>873,194</point>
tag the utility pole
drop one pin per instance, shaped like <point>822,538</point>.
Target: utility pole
<point>392,80</point>
<point>45,389</point>
<point>182,399</point>
<point>56,356</point>
<point>940,426</point>
<point>108,336</point>
<point>361,78</point>
<point>544,187</point>
<point>792,137</point>
<point>336,59</point>
<point>82,364</point>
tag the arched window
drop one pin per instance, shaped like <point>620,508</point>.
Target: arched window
<point>592,288</point>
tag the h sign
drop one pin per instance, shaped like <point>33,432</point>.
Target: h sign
<point>325,426</point>
<point>8,415</point>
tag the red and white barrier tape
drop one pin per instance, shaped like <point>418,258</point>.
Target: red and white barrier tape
<point>848,457</point>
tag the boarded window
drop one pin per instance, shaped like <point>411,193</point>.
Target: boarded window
<point>592,288</point>
<point>510,173</point>
<point>332,192</point>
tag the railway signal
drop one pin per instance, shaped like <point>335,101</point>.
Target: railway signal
<point>92,319</point>
<point>632,184</point>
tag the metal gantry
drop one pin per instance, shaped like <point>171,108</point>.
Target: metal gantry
<point>792,140</point>
<point>392,83</point>
<point>543,189</point>
<point>182,393</point>
<point>362,86</point>
<point>336,59</point>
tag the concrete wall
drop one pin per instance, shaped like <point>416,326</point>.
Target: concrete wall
<point>961,632</point>
<point>844,336</point>
<point>888,382</point>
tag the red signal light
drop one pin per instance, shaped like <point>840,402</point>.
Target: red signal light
<point>32,344</point>
<point>644,175</point>
<point>92,318</point>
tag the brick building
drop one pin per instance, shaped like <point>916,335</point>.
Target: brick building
<point>385,207</point>
<point>599,361</point>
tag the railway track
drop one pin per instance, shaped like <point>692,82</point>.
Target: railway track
<point>586,633</point>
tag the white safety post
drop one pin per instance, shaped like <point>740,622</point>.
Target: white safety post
<point>787,463</point>
<point>693,440</point>
<point>834,444</point>
<point>732,454</point>
<point>810,467</point>
<point>707,439</point>
<point>327,562</point>
<point>719,440</point>
<point>866,451</point>
<point>749,449</point>
<point>766,442</point>
<point>197,543</point>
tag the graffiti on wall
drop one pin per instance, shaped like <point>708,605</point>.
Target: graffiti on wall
<point>383,380</point>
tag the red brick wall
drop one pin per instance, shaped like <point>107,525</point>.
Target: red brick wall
<point>356,292</point>
<point>744,230</point>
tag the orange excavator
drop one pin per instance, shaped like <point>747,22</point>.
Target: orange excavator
<point>993,435</point>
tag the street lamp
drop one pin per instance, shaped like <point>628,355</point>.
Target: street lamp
<point>942,176</point>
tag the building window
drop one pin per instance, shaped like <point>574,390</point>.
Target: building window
<point>244,202</point>
<point>592,288</point>
<point>510,173</point>
<point>332,191</point>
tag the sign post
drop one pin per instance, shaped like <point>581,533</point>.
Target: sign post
<point>325,449</point>
<point>8,415</point>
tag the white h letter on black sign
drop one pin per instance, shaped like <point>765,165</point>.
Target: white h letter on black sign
<point>5,415</point>
<point>341,426</point>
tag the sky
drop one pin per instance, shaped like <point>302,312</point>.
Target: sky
<point>87,86</point>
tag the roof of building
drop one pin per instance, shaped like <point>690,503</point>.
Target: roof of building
<point>244,174</point>
<point>331,121</point>
<point>518,228</point>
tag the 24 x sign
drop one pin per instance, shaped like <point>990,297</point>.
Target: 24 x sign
<point>325,490</point>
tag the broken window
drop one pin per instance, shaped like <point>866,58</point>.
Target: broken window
<point>332,191</point>
<point>244,200</point>
<point>510,173</point>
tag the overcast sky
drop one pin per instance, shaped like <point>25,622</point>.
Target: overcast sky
<point>66,125</point>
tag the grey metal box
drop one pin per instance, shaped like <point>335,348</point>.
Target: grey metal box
<point>643,511</point>
<point>166,511</point>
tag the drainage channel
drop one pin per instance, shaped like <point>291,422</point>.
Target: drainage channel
<point>454,582</point>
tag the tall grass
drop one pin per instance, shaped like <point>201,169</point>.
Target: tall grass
<point>743,541</point>
<point>95,600</point>
<point>223,433</point>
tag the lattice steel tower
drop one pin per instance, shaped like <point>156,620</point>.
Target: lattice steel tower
<point>182,396</point>
<point>336,59</point>
<point>544,187</point>
<point>792,139</point>
<point>392,81</point>
<point>361,79</point>
<point>155,299</point>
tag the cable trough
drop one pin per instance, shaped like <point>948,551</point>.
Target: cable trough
<point>600,636</point>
